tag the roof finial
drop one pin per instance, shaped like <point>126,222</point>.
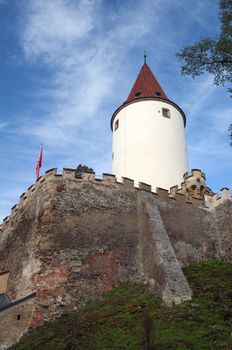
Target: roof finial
<point>145,57</point>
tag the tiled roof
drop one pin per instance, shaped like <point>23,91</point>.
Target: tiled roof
<point>146,85</point>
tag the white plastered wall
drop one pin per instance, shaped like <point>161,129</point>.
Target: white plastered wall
<point>148,147</point>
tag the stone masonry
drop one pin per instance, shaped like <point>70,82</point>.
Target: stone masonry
<point>71,239</point>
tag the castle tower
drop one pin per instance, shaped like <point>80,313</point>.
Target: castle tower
<point>148,135</point>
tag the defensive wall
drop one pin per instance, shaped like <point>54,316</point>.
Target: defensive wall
<point>71,238</point>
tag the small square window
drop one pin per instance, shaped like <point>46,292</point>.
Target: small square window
<point>157,93</point>
<point>166,112</point>
<point>116,125</point>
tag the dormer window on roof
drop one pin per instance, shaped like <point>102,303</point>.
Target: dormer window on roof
<point>146,85</point>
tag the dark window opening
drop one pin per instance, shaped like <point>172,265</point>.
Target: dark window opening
<point>166,112</point>
<point>138,93</point>
<point>18,317</point>
<point>157,93</point>
<point>116,125</point>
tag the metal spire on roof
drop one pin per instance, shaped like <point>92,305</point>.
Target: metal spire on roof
<point>145,57</point>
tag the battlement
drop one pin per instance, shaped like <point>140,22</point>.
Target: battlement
<point>212,201</point>
<point>194,185</point>
<point>73,236</point>
<point>193,189</point>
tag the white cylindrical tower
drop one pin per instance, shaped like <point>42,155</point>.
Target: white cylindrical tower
<point>148,136</point>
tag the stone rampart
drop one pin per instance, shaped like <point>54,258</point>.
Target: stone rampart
<point>71,238</point>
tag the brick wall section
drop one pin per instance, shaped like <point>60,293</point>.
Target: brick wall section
<point>19,246</point>
<point>88,244</point>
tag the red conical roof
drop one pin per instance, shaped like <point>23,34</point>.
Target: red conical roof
<point>146,85</point>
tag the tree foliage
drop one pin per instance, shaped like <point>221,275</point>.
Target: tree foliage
<point>83,168</point>
<point>213,55</point>
<point>230,134</point>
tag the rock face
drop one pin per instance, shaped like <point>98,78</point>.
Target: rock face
<point>71,239</point>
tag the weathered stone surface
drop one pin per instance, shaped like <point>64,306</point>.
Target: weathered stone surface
<point>71,239</point>
<point>158,259</point>
<point>14,321</point>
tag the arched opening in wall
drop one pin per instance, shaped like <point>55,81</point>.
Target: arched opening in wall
<point>18,317</point>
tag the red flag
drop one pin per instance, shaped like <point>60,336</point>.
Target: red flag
<point>39,162</point>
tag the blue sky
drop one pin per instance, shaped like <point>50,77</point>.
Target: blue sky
<point>65,67</point>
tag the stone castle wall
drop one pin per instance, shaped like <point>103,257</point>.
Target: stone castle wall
<point>71,239</point>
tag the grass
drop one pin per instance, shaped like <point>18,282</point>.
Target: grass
<point>130,315</point>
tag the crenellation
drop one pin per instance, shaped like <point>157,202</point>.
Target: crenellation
<point>172,191</point>
<point>209,201</point>
<point>225,193</point>
<point>214,200</point>
<point>197,173</point>
<point>98,180</point>
<point>68,173</point>
<point>109,178</point>
<point>89,176</point>
<point>144,187</point>
<point>162,192</point>
<point>15,207</point>
<point>51,172</point>
<point>6,219</point>
<point>128,183</point>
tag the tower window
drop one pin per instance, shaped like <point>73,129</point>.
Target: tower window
<point>157,93</point>
<point>166,112</point>
<point>138,93</point>
<point>116,125</point>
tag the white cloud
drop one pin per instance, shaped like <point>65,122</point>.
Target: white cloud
<point>54,26</point>
<point>87,66</point>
